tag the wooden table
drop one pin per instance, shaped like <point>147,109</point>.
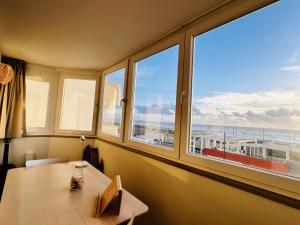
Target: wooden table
<point>41,196</point>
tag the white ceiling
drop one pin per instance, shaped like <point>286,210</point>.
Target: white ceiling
<point>88,34</point>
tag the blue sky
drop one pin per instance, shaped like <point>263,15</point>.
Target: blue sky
<point>246,55</point>
<point>156,77</point>
<point>246,73</point>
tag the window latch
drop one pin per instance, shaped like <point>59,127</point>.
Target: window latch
<point>123,102</point>
<point>183,94</point>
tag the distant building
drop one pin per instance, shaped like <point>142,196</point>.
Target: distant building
<point>252,147</point>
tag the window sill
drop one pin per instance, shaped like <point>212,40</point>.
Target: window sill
<point>275,182</point>
<point>58,135</point>
<point>280,195</point>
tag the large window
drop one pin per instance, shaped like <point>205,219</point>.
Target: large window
<point>113,103</point>
<point>224,99</point>
<point>245,105</point>
<point>77,105</point>
<point>153,117</point>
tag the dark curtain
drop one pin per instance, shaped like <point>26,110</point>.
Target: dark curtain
<point>12,104</point>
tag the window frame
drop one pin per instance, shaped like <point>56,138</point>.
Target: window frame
<point>177,39</point>
<point>52,96</point>
<point>283,184</point>
<point>114,68</point>
<point>71,75</point>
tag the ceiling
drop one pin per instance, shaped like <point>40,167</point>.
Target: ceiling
<point>89,34</point>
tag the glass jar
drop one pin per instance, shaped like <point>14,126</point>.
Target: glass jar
<point>76,182</point>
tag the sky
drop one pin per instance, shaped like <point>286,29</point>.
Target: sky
<point>156,78</point>
<point>246,73</point>
<point>155,87</point>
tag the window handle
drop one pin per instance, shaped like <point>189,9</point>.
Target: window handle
<point>183,94</point>
<point>123,102</point>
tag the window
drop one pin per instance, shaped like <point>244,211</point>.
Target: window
<point>153,120</point>
<point>112,105</point>
<point>245,98</point>
<point>230,99</point>
<point>154,97</point>
<point>37,97</point>
<point>40,98</point>
<point>77,111</point>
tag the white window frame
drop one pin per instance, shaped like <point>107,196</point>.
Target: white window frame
<point>177,39</point>
<point>100,133</point>
<point>282,184</point>
<point>52,79</point>
<point>75,75</point>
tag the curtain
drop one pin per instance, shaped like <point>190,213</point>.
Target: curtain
<point>12,101</point>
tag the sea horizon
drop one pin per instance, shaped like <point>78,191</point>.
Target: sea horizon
<point>272,134</point>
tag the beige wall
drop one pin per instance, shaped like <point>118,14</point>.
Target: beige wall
<point>44,147</point>
<point>178,197</point>
<point>70,148</point>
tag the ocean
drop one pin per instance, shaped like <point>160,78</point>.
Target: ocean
<point>267,134</point>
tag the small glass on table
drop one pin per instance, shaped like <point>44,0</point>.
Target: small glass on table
<point>76,181</point>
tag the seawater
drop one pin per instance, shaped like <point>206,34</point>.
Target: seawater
<point>267,134</point>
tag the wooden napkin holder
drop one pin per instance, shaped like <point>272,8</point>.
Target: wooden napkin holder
<point>111,198</point>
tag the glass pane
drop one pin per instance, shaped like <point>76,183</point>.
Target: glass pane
<point>246,97</point>
<point>78,104</point>
<point>153,119</point>
<point>112,96</point>
<point>37,94</point>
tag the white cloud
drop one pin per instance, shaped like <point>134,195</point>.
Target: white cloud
<point>155,113</point>
<point>145,71</point>
<point>273,109</point>
<point>291,68</point>
<point>269,109</point>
